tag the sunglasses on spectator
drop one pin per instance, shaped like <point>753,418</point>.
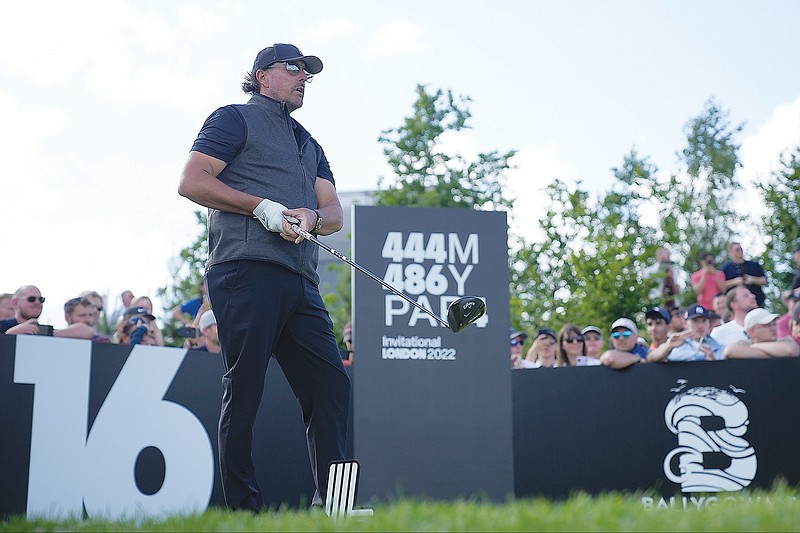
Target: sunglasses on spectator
<point>623,334</point>
<point>32,299</point>
<point>516,342</point>
<point>570,340</point>
<point>137,320</point>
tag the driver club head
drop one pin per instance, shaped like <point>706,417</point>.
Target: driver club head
<point>464,312</point>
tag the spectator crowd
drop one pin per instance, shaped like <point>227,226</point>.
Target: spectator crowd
<point>133,322</point>
<point>728,320</point>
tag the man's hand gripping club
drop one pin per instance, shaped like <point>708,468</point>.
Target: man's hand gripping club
<point>271,216</point>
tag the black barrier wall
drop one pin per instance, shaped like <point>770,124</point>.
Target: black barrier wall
<point>676,427</point>
<point>118,430</point>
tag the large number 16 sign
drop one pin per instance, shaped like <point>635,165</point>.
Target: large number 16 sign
<point>72,468</point>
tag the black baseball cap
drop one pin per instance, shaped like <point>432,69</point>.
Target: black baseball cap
<point>547,331</point>
<point>138,311</point>
<point>282,53</point>
<point>659,312</point>
<point>695,311</point>
<point>516,333</point>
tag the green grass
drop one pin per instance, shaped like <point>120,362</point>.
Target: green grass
<point>774,510</point>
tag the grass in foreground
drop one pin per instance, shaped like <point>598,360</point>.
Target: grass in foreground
<point>775,510</point>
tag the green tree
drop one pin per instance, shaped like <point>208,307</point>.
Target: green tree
<point>187,273</point>
<point>781,223</point>
<point>589,267</point>
<point>697,204</point>
<point>424,175</point>
<point>338,299</point>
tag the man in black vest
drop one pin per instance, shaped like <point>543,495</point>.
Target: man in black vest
<point>254,167</point>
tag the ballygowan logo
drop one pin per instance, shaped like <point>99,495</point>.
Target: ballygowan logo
<point>712,454</point>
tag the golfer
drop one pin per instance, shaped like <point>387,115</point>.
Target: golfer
<point>253,166</point>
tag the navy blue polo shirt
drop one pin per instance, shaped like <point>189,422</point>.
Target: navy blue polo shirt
<point>224,133</point>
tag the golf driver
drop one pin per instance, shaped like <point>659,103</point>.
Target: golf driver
<point>460,314</point>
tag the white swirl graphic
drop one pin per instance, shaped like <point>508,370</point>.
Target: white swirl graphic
<point>712,454</point>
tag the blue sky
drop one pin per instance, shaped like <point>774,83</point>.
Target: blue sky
<point>100,103</point>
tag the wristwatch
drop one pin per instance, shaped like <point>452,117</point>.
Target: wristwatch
<point>318,226</point>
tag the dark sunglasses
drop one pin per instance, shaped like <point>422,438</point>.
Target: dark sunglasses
<point>516,342</point>
<point>138,320</point>
<point>570,340</point>
<point>624,334</point>
<point>294,70</point>
<point>32,299</point>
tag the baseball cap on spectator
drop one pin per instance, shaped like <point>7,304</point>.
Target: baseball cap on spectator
<point>207,319</point>
<point>547,331</point>
<point>137,311</point>
<point>514,333</point>
<point>626,323</point>
<point>759,315</point>
<point>659,312</point>
<point>695,311</point>
<point>587,329</point>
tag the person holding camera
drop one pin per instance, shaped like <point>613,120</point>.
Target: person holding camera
<point>28,304</point>
<point>708,281</point>
<point>137,326</point>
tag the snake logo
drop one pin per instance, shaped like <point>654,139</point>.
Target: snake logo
<point>712,454</point>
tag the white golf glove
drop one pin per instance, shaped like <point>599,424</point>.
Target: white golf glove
<point>270,214</point>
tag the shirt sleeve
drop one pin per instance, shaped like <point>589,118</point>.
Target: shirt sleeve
<point>223,134</point>
<point>324,168</point>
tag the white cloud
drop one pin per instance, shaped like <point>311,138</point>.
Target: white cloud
<point>396,37</point>
<point>25,127</point>
<point>122,52</point>
<point>328,30</point>
<point>152,84</point>
<point>760,153</point>
<point>195,19</point>
<point>454,143</point>
<point>537,167</point>
<point>52,42</point>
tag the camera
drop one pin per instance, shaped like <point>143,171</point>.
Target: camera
<point>44,329</point>
<point>187,332</point>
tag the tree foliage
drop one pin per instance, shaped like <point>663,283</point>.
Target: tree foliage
<point>338,299</point>
<point>781,223</point>
<point>187,273</point>
<point>697,206</point>
<point>588,268</point>
<point>426,176</point>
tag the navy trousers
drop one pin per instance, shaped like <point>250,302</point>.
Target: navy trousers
<point>264,310</point>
